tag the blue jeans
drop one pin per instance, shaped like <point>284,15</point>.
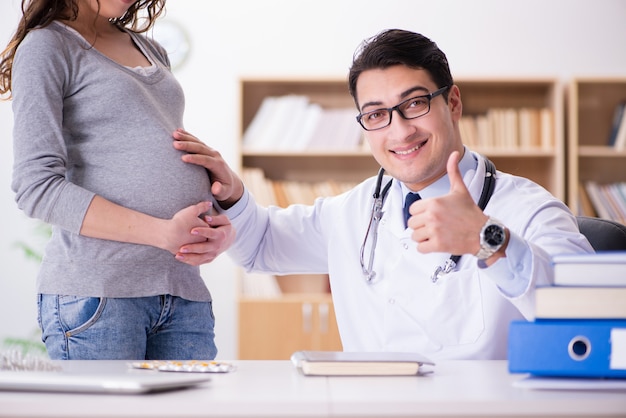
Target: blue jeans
<point>148,328</point>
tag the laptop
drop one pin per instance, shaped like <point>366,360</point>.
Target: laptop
<point>130,382</point>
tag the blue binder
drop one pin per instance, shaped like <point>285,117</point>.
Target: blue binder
<point>568,348</point>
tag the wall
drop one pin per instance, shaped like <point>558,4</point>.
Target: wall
<point>304,38</point>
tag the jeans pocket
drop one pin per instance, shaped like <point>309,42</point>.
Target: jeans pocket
<point>39,308</point>
<point>211,311</point>
<point>77,313</point>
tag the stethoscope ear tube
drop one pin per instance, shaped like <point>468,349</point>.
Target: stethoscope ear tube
<point>379,181</point>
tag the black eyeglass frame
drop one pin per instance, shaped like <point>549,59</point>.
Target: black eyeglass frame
<point>397,107</point>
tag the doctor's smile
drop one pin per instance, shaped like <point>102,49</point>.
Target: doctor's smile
<point>411,150</point>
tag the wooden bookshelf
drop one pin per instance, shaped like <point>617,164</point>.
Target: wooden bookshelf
<point>542,164</point>
<point>591,107</point>
<point>545,165</point>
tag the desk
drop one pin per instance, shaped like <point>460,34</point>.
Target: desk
<point>276,389</point>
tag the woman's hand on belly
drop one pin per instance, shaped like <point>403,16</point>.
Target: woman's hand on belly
<point>217,235</point>
<point>178,231</point>
<point>107,220</point>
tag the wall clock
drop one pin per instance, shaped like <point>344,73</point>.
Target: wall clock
<point>173,37</point>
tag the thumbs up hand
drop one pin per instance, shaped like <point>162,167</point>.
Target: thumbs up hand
<point>449,223</point>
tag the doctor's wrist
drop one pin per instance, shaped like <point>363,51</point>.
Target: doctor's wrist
<point>500,253</point>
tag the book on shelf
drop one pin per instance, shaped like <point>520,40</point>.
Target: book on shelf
<point>504,127</point>
<point>282,193</point>
<point>580,302</point>
<point>268,127</point>
<point>618,118</point>
<point>529,128</point>
<point>585,206</point>
<point>260,187</point>
<point>592,269</point>
<point>253,134</point>
<point>337,129</point>
<point>469,131</point>
<point>298,192</point>
<point>616,200</point>
<point>289,134</point>
<point>279,192</point>
<point>608,200</point>
<point>597,199</point>
<point>547,128</point>
<point>344,363</point>
<point>508,128</point>
<point>293,123</point>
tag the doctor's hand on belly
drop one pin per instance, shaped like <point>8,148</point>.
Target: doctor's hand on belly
<point>226,186</point>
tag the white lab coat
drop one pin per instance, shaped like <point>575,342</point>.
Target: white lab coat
<point>464,315</point>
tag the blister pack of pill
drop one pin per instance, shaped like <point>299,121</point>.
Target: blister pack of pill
<point>189,366</point>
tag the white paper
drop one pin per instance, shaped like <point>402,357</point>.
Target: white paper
<point>554,383</point>
<point>618,349</point>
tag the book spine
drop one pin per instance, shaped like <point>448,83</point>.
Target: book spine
<point>567,302</point>
<point>618,116</point>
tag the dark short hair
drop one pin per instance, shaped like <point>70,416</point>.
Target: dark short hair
<point>400,47</point>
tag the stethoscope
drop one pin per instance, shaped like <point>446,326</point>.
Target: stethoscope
<point>380,194</point>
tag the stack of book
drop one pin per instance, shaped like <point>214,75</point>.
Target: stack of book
<point>580,323</point>
<point>293,123</point>
<point>268,192</point>
<point>507,128</point>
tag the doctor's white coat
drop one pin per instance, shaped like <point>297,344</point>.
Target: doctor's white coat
<point>464,315</point>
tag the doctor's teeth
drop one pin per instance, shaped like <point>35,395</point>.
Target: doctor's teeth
<point>409,150</point>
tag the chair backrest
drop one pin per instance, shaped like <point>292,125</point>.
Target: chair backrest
<point>603,234</point>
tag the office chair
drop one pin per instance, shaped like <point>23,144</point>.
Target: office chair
<point>603,234</point>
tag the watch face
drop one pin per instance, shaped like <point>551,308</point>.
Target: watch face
<point>494,235</point>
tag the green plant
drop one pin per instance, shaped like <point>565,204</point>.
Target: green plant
<point>43,231</point>
<point>31,345</point>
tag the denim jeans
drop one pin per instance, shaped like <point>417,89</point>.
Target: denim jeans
<point>147,328</point>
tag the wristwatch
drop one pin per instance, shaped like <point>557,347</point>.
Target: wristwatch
<point>492,236</point>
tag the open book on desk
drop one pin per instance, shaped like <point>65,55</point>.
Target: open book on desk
<point>340,363</point>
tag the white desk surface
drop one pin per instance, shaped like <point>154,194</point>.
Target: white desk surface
<point>277,389</point>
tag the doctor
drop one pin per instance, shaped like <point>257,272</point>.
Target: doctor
<point>390,286</point>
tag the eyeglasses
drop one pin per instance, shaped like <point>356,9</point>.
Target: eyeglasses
<point>409,109</point>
